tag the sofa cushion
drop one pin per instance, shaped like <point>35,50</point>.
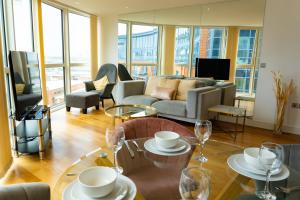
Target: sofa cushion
<point>170,83</point>
<point>183,88</point>
<point>152,83</point>
<point>140,100</point>
<point>162,93</point>
<point>171,107</point>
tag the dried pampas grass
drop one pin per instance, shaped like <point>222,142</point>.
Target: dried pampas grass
<point>282,93</point>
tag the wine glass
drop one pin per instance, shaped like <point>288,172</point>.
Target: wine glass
<point>270,156</point>
<point>115,139</point>
<point>203,129</point>
<point>194,184</point>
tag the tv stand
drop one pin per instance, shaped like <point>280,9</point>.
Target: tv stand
<point>33,133</point>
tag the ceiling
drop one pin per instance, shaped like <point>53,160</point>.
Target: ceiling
<point>108,7</point>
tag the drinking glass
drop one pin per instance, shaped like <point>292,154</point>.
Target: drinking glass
<point>194,184</point>
<point>203,129</point>
<point>115,139</point>
<point>270,156</point>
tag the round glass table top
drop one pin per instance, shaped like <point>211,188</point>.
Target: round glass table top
<point>130,111</point>
<point>157,177</point>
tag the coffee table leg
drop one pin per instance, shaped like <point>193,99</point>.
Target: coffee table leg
<point>244,121</point>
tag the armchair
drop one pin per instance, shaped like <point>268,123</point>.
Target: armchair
<point>109,70</point>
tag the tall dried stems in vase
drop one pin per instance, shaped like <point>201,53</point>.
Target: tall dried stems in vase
<point>282,93</point>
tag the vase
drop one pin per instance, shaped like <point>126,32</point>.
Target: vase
<point>280,110</point>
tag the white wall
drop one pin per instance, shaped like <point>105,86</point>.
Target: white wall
<point>108,39</point>
<point>280,51</point>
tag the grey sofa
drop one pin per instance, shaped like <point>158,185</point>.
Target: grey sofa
<point>25,191</point>
<point>195,107</point>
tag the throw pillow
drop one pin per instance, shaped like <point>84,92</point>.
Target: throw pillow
<point>152,83</point>
<point>101,83</point>
<point>20,88</point>
<point>170,83</point>
<point>183,88</point>
<point>162,93</point>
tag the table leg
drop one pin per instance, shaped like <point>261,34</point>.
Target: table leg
<point>239,101</point>
<point>114,121</point>
<point>49,124</point>
<point>236,127</point>
<point>244,121</point>
<point>41,140</point>
<point>16,152</point>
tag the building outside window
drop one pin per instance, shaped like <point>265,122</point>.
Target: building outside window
<point>182,50</point>
<point>144,51</point>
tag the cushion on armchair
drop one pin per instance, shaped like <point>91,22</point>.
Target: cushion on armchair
<point>101,83</point>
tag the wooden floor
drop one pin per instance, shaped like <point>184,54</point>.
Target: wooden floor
<point>75,134</point>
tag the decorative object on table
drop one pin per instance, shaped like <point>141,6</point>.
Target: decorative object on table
<point>282,93</point>
<point>203,129</point>
<point>115,139</point>
<point>194,184</point>
<point>271,157</point>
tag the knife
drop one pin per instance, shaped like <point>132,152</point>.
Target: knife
<point>129,149</point>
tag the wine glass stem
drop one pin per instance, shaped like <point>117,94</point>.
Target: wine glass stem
<point>267,186</point>
<point>115,158</point>
<point>201,149</point>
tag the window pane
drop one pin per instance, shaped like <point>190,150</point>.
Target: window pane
<point>242,80</point>
<point>78,76</point>
<point>122,41</point>
<point>144,44</point>
<point>182,45</point>
<point>23,25</point>
<point>246,47</point>
<point>141,72</point>
<point>79,30</point>
<point>53,43</point>
<point>209,43</point>
<point>55,85</point>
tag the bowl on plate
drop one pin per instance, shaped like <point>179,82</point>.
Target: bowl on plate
<point>251,157</point>
<point>166,139</point>
<point>98,181</point>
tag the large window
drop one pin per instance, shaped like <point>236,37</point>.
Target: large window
<point>182,50</point>
<point>246,74</point>
<point>122,42</point>
<point>67,52</point>
<point>22,13</point>
<point>144,51</point>
<point>54,59</point>
<point>79,37</point>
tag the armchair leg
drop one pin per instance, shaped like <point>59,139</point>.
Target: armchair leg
<point>112,98</point>
<point>102,101</point>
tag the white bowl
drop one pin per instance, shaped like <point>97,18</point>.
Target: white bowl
<point>251,157</point>
<point>166,139</point>
<point>97,181</point>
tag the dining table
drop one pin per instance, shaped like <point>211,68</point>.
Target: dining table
<point>157,176</point>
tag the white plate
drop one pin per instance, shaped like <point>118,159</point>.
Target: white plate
<point>119,189</point>
<point>179,147</point>
<point>231,161</point>
<point>69,194</point>
<point>150,145</point>
<point>242,163</point>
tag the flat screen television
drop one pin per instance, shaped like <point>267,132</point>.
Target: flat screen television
<point>216,68</point>
<point>25,82</point>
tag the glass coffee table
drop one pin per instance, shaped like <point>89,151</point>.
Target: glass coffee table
<point>126,112</point>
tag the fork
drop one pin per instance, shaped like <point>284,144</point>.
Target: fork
<point>137,146</point>
<point>288,190</point>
